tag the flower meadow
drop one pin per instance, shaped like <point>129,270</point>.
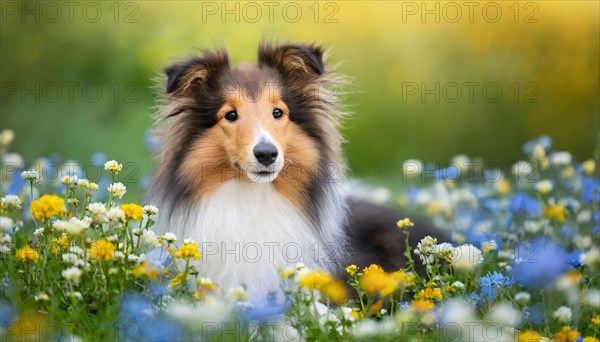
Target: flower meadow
<point>81,262</point>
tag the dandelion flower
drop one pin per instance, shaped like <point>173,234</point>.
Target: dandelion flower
<point>102,250</point>
<point>376,281</point>
<point>47,206</point>
<point>529,336</point>
<point>188,250</point>
<point>555,211</point>
<point>567,334</point>
<point>27,254</point>
<point>421,305</point>
<point>132,211</point>
<point>404,223</point>
<point>430,293</point>
<point>146,270</point>
<point>314,280</point>
<point>117,189</point>
<point>113,167</point>
<point>335,290</point>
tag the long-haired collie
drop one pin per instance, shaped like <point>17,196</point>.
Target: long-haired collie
<point>251,168</point>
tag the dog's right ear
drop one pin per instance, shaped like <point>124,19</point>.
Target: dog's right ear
<point>185,77</point>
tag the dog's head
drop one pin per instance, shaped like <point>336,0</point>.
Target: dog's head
<point>260,122</point>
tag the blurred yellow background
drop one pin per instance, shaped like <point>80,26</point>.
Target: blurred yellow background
<point>431,79</point>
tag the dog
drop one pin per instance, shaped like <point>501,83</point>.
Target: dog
<point>251,168</point>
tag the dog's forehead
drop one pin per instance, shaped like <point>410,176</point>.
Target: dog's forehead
<point>252,83</point>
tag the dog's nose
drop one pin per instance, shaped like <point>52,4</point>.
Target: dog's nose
<point>265,153</point>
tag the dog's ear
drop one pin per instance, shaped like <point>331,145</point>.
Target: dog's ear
<point>196,72</point>
<point>293,60</point>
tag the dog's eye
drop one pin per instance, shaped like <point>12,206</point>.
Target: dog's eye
<point>231,116</point>
<point>277,113</point>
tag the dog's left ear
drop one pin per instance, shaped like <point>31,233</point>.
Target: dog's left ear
<point>293,60</point>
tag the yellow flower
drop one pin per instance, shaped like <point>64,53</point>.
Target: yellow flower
<point>375,282</point>
<point>403,278</point>
<point>434,208</point>
<point>352,269</point>
<point>286,273</point>
<point>529,336</point>
<point>146,270</point>
<point>335,290</point>
<point>27,254</point>
<point>430,293</point>
<point>596,319</point>
<point>405,222</point>
<point>29,327</point>
<point>376,307</point>
<point>177,280</point>
<point>503,186</point>
<point>47,206</point>
<point>554,211</point>
<point>422,305</point>
<point>314,280</point>
<point>568,171</point>
<point>132,211</point>
<point>567,335</point>
<point>60,243</point>
<point>188,250</point>
<point>102,250</point>
<point>590,339</point>
<point>206,289</point>
<point>373,268</point>
<point>589,166</point>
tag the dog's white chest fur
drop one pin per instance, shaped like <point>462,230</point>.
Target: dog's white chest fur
<point>247,232</point>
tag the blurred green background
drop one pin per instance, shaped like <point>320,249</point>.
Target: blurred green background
<point>543,56</point>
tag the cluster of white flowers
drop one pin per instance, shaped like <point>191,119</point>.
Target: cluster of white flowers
<point>97,208</point>
<point>69,179</point>
<point>5,244</point>
<point>169,237</point>
<point>150,210</point>
<point>72,274</point>
<point>30,175</point>
<point>426,250</point>
<point>10,202</point>
<point>563,314</point>
<point>149,238</point>
<point>113,167</point>
<point>117,189</point>
<point>74,226</point>
<point>544,186</point>
<point>116,215</point>
<point>75,259</point>
<point>467,257</point>
<point>6,223</point>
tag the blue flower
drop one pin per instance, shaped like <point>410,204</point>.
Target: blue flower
<point>534,314</point>
<point>151,140</point>
<point>544,141</point>
<point>539,262</point>
<point>523,204</point>
<point>591,190</point>
<point>7,314</point>
<point>451,173</point>
<point>16,185</point>
<point>491,283</point>
<point>573,258</point>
